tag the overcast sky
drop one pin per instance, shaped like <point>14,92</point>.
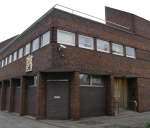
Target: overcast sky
<point>17,15</point>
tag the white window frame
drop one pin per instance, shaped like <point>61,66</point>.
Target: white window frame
<point>44,40</point>
<point>116,52</point>
<point>10,58</point>
<point>61,33</point>
<point>20,53</point>
<point>35,44</point>
<point>27,46</point>
<point>87,38</point>
<point>130,55</point>
<point>15,56</point>
<point>3,62</point>
<point>99,41</point>
<point>6,61</point>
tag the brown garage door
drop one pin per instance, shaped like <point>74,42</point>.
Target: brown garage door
<point>31,100</point>
<point>57,100</point>
<point>92,101</point>
<point>17,100</point>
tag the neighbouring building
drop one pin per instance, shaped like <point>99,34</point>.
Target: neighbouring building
<point>68,66</point>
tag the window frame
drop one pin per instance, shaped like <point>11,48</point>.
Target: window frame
<point>129,56</point>
<point>81,44</point>
<point>90,77</point>
<point>42,37</point>
<point>29,50</point>
<point>35,41</point>
<point>3,63</point>
<point>6,61</point>
<point>70,43</point>
<point>102,41</point>
<point>21,49</point>
<point>15,53</point>
<point>116,52</point>
<point>10,58</point>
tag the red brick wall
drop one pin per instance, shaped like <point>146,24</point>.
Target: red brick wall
<point>143,94</point>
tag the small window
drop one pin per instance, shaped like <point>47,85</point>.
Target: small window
<point>130,52</point>
<point>64,37</point>
<point>15,56</point>
<point>20,54</point>
<point>84,79</point>
<point>86,42</point>
<point>27,49</point>
<point>35,45</point>
<point>6,60</point>
<point>45,39</point>
<point>117,49</point>
<point>3,63</point>
<point>103,46</point>
<point>10,59</point>
<point>96,81</point>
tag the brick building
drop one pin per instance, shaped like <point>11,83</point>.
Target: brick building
<point>66,66</point>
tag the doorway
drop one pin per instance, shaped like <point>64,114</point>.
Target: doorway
<point>57,99</point>
<point>121,92</point>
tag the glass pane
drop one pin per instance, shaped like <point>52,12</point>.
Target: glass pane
<point>45,39</point>
<point>20,53</point>
<point>64,37</point>
<point>35,45</point>
<point>10,58</point>
<point>27,49</point>
<point>103,46</point>
<point>86,42</point>
<point>2,63</point>
<point>84,79</point>
<point>6,61</point>
<point>117,49</point>
<point>97,80</point>
<point>130,52</point>
<point>15,56</point>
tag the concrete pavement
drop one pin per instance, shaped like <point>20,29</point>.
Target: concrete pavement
<point>126,119</point>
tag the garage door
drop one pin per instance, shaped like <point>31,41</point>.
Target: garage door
<point>31,100</point>
<point>17,100</point>
<point>57,100</point>
<point>92,95</point>
<point>92,101</point>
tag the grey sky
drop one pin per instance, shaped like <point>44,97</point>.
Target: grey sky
<point>17,15</point>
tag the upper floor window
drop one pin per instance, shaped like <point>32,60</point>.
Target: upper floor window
<point>35,44</point>
<point>103,46</point>
<point>130,52</point>
<point>64,37</point>
<point>20,54</point>
<point>10,59</point>
<point>45,39</point>
<point>6,60</point>
<point>27,49</point>
<point>3,63</point>
<point>86,42</point>
<point>117,49</point>
<point>15,56</point>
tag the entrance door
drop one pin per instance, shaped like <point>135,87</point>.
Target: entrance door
<point>121,92</point>
<point>57,99</point>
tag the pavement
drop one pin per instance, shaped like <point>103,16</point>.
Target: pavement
<point>127,119</point>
